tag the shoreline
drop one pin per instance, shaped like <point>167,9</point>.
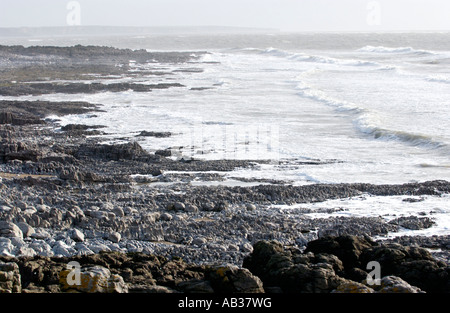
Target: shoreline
<point>68,196</point>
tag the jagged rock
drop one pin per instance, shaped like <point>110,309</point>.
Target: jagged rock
<point>191,208</point>
<point>330,262</point>
<point>19,119</point>
<point>145,133</point>
<point>12,150</point>
<point>9,230</point>
<point>26,229</point>
<point>76,235</point>
<point>413,222</point>
<point>10,281</point>
<point>413,264</point>
<point>164,153</point>
<point>234,280</point>
<point>352,287</point>
<point>292,273</point>
<point>128,151</point>
<point>150,289</point>
<point>76,175</point>
<point>393,284</point>
<point>196,286</point>
<point>346,248</point>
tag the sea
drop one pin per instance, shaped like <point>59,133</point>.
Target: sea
<point>315,107</point>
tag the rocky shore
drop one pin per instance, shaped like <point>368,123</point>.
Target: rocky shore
<point>329,264</point>
<point>134,222</point>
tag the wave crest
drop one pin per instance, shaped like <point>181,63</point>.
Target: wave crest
<point>303,57</point>
<point>376,132</point>
<point>398,50</point>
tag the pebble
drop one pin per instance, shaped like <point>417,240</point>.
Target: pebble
<point>76,235</point>
<point>114,237</point>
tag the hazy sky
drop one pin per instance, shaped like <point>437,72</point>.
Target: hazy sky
<point>289,15</point>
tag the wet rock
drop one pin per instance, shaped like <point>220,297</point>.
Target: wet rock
<point>413,222</point>
<point>154,134</point>
<point>164,153</point>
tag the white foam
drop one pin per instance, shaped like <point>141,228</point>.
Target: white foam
<point>394,50</point>
<point>303,57</point>
<point>386,207</point>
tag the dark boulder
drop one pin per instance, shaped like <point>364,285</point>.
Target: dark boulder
<point>413,264</point>
<point>346,248</point>
<point>292,271</point>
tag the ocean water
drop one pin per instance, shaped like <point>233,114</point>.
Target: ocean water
<point>368,107</point>
<point>323,108</point>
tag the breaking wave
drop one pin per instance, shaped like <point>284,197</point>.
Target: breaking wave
<point>398,50</point>
<point>364,122</point>
<point>303,57</point>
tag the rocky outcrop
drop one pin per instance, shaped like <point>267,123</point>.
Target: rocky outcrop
<point>19,119</point>
<point>413,264</point>
<point>145,133</point>
<point>269,268</point>
<point>134,220</point>
<point>9,278</point>
<point>10,230</point>
<point>128,151</point>
<point>233,280</point>
<point>96,279</point>
<point>121,273</point>
<point>77,88</point>
<point>338,264</point>
<point>292,271</point>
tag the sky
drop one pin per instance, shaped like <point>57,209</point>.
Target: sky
<point>285,15</point>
